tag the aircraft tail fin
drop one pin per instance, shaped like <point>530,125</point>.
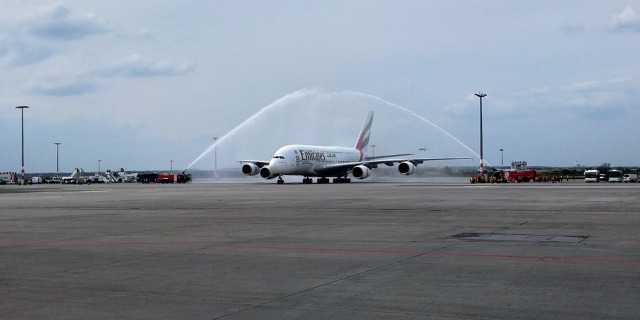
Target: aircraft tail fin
<point>365,132</point>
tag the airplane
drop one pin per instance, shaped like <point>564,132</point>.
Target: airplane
<point>330,161</point>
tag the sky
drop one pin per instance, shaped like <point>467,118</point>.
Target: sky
<point>149,84</point>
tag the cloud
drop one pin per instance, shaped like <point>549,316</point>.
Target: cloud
<point>586,99</point>
<point>575,28</point>
<point>137,66</point>
<point>55,87</point>
<point>138,34</point>
<point>26,38</point>
<point>608,85</point>
<point>20,53</point>
<point>57,24</point>
<point>539,90</point>
<point>626,21</point>
<point>87,82</point>
<point>615,96</point>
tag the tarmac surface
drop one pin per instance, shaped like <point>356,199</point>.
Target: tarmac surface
<point>375,250</point>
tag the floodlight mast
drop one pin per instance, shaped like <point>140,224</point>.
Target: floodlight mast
<point>481,95</point>
<point>22,112</point>
<point>57,158</point>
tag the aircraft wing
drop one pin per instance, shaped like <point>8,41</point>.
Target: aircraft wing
<point>338,167</point>
<point>390,162</point>
<point>388,156</point>
<point>259,163</point>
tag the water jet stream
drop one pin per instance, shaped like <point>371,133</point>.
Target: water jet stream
<point>243,124</point>
<point>312,116</point>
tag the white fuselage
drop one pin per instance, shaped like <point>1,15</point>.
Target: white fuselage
<point>304,159</point>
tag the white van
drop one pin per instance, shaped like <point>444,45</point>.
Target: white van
<point>630,177</point>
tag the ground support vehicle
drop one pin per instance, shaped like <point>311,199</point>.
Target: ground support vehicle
<point>173,177</point>
<point>591,176</point>
<point>630,177</point>
<point>55,179</point>
<point>147,177</point>
<point>518,173</point>
<point>8,177</point>
<point>615,175</point>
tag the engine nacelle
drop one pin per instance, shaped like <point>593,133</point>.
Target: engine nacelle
<point>407,168</point>
<point>361,172</point>
<point>266,173</point>
<point>250,169</point>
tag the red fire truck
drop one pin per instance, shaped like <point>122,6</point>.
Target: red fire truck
<point>173,177</point>
<point>518,173</point>
<point>8,177</point>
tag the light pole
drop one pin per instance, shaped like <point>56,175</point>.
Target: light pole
<point>22,111</point>
<point>502,158</point>
<point>57,158</point>
<point>171,161</point>
<point>481,95</point>
<point>99,165</point>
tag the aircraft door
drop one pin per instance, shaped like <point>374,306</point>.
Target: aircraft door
<point>292,160</point>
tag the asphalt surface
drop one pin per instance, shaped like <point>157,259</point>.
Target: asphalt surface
<point>393,250</point>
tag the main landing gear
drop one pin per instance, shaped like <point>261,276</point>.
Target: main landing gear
<point>321,180</point>
<point>341,180</point>
<point>308,180</point>
<point>324,180</point>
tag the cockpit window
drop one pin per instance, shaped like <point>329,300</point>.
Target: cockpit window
<point>278,157</point>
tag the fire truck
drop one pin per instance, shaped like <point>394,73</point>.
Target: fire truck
<point>518,173</point>
<point>179,177</point>
<point>8,177</point>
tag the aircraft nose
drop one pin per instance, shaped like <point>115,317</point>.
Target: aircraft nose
<point>276,165</point>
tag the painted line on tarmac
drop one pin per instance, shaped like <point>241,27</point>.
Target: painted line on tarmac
<point>195,245</point>
<point>432,253</point>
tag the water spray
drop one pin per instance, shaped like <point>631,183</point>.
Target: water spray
<point>252,118</point>
<point>421,118</point>
<point>312,94</point>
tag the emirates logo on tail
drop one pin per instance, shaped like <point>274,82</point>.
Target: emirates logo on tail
<point>365,133</point>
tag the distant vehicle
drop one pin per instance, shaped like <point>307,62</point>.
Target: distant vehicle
<point>147,177</point>
<point>8,177</point>
<point>603,177</point>
<point>630,177</point>
<point>55,179</point>
<point>74,177</point>
<point>173,177</point>
<point>121,176</point>
<point>519,172</point>
<point>98,178</point>
<point>591,176</point>
<point>615,175</point>
<point>37,180</point>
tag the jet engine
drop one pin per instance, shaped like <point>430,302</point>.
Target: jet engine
<point>266,173</point>
<point>361,172</point>
<point>407,168</point>
<point>250,169</point>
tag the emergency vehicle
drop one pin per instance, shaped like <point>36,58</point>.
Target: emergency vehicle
<point>518,173</point>
<point>173,177</point>
<point>8,177</point>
